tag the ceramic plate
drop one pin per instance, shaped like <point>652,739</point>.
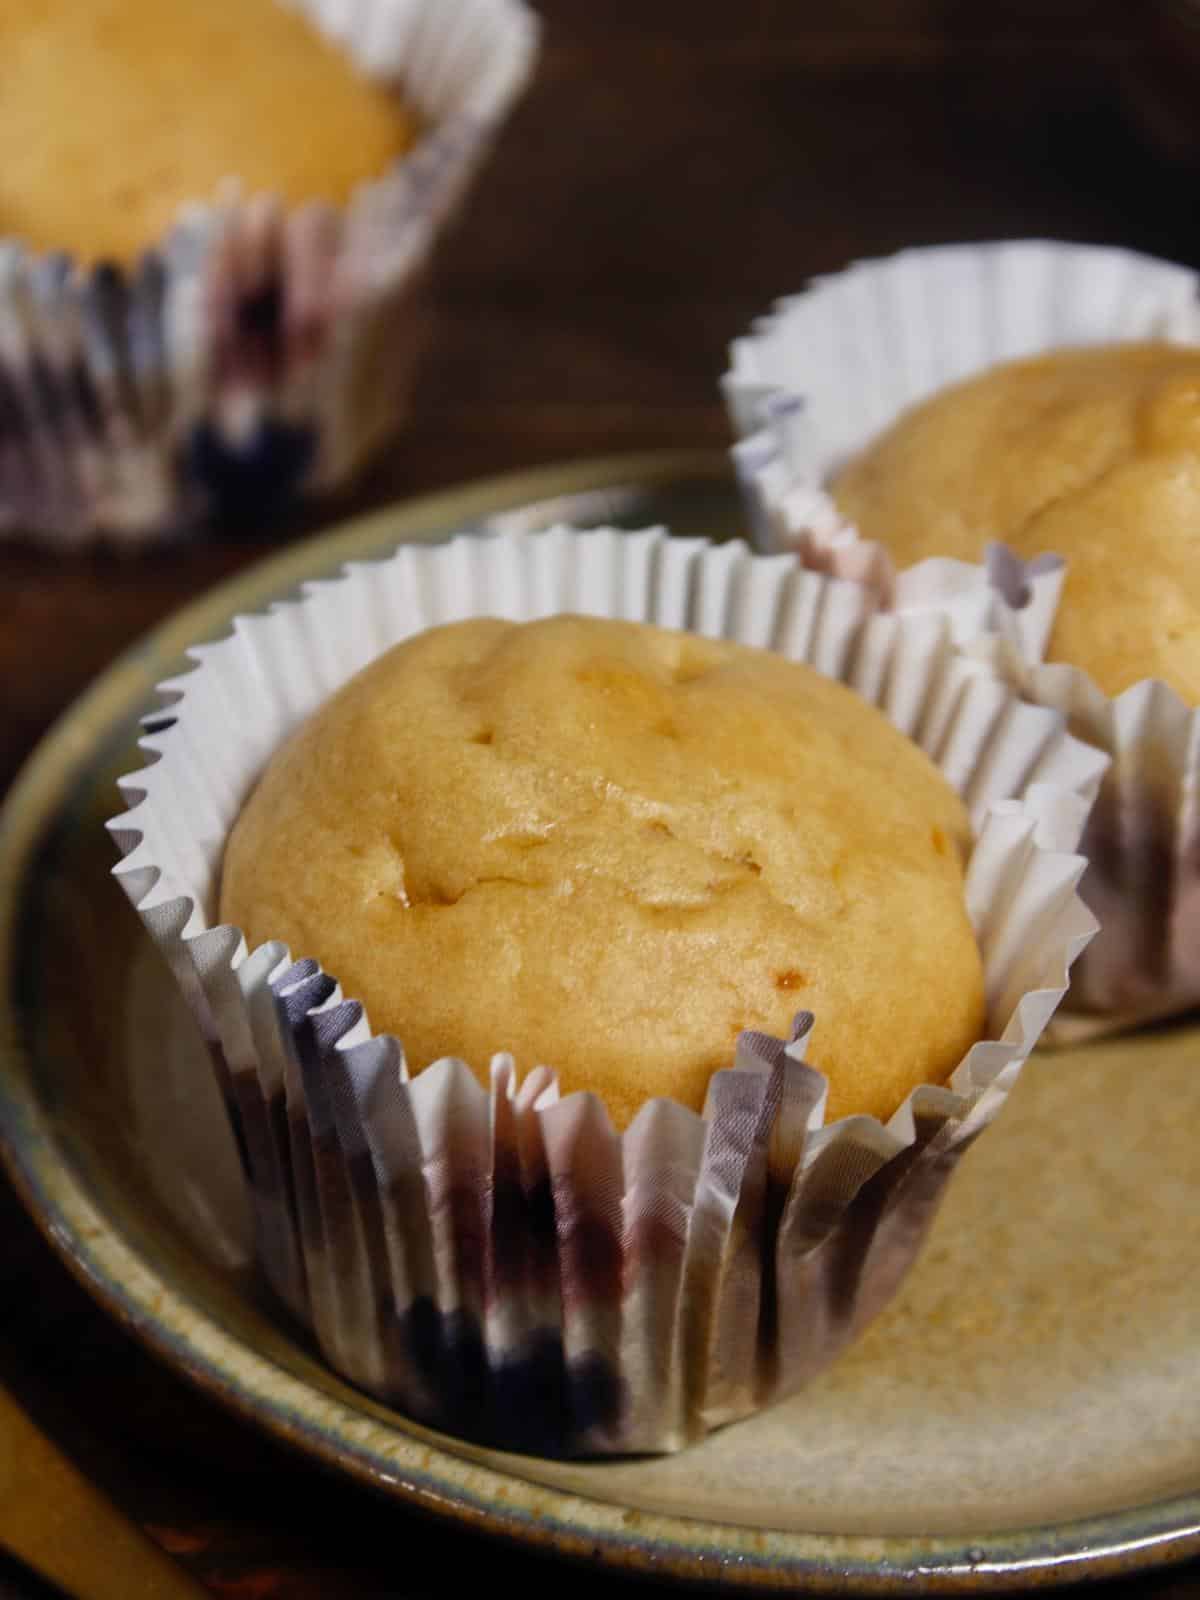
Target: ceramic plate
<point>1027,1410</point>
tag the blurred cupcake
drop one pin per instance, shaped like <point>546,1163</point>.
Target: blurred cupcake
<point>1085,449</point>
<point>216,217</point>
<point>1092,453</point>
<point>631,853</point>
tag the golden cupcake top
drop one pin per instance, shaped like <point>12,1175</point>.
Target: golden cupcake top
<point>113,113</point>
<point>1093,454</point>
<point>610,848</point>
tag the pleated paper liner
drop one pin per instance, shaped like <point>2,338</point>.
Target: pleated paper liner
<point>1141,842</point>
<point>831,368</point>
<point>504,1264</point>
<point>255,354</point>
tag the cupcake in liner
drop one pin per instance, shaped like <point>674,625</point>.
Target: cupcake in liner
<point>257,353</point>
<point>504,1264</point>
<point>832,368</point>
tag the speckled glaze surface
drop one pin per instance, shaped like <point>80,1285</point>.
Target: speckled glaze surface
<point>1027,1410</point>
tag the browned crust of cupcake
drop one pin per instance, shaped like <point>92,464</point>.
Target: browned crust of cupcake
<point>610,848</point>
<point>116,112</point>
<point>1093,454</point>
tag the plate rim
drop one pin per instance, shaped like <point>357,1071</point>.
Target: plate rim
<point>426,1470</point>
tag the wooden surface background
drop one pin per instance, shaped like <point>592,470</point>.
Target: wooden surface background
<point>676,166</point>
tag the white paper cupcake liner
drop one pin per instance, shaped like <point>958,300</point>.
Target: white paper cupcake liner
<point>505,1265</point>
<point>256,354</point>
<point>1141,842</point>
<point>830,369</point>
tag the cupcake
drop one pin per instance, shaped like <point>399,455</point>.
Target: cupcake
<point>1051,404</point>
<point>576,816</point>
<point>209,288</point>
<point>695,970</point>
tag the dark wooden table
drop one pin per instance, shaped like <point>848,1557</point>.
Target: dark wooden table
<point>677,165</point>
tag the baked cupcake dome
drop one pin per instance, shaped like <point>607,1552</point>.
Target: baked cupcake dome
<point>611,848</point>
<point>1092,453</point>
<point>116,112</point>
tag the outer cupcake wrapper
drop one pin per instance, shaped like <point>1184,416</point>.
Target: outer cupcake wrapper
<point>833,367</point>
<point>255,354</point>
<point>1141,841</point>
<point>506,1265</point>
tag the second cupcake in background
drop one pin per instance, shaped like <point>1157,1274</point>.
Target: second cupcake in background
<point>1046,397</point>
<point>1092,453</point>
<point>215,222</point>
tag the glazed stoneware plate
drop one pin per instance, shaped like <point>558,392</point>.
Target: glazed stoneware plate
<point>1027,1410</point>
